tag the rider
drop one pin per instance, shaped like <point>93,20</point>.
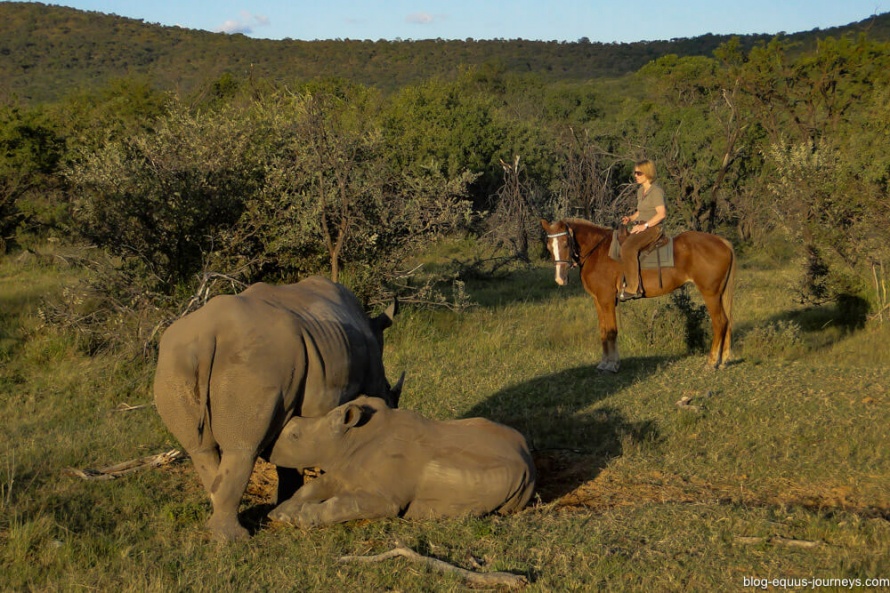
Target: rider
<point>647,229</point>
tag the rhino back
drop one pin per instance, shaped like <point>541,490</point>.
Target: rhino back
<point>476,466</point>
<point>343,353</point>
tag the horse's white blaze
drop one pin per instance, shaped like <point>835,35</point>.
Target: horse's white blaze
<point>560,274</point>
<point>554,247</point>
<point>560,267</point>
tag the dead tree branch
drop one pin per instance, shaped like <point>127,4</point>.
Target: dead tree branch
<point>473,579</point>
<point>115,471</point>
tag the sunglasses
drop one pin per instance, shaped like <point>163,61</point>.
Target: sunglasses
<point>637,173</point>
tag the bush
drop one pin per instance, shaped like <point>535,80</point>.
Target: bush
<point>779,339</point>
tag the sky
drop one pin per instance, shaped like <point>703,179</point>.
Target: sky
<point>545,20</point>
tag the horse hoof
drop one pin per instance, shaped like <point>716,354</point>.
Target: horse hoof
<point>608,367</point>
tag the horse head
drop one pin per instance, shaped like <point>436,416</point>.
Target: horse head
<point>561,244</point>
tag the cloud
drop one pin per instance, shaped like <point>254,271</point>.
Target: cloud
<point>245,24</point>
<point>420,18</point>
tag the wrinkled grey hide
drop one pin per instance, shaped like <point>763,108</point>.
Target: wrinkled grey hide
<point>231,374</point>
<point>380,462</point>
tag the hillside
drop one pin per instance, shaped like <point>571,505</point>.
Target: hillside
<point>47,51</point>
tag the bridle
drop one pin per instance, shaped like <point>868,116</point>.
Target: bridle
<point>570,243</point>
<point>575,257</point>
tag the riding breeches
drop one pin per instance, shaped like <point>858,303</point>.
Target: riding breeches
<point>630,255</point>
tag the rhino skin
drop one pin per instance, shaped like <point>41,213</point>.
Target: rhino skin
<point>379,462</point>
<point>231,374</point>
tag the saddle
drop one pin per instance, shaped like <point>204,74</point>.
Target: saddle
<point>659,254</point>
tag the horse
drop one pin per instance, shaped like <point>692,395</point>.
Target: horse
<point>706,260</point>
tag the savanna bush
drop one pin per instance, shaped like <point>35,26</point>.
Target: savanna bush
<point>661,322</point>
<point>778,339</point>
<point>283,186</point>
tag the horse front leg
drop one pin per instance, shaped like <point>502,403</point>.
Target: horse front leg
<point>608,325</point>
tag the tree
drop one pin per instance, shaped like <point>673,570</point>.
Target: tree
<point>30,151</point>
<point>587,184</point>
<point>331,199</point>
<point>449,126</point>
<point>161,198</point>
<point>823,114</point>
<point>693,126</point>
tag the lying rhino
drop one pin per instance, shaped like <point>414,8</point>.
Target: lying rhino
<point>380,462</point>
<point>231,374</point>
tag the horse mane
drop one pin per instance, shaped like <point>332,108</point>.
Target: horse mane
<point>586,225</point>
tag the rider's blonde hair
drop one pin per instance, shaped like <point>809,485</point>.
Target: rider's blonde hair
<point>648,168</point>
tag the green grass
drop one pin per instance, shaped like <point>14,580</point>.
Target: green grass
<point>787,443</point>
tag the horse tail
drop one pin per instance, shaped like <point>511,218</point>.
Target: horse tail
<point>727,294</point>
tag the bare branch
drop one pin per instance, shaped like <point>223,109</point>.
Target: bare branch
<point>473,579</point>
<point>115,471</point>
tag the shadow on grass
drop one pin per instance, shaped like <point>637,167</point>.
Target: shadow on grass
<point>533,284</point>
<point>797,331</point>
<point>572,441</point>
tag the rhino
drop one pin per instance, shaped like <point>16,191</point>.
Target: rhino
<point>232,374</point>
<point>380,462</point>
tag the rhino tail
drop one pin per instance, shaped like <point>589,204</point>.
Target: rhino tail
<point>203,372</point>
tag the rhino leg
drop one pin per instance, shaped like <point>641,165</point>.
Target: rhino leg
<point>206,462</point>
<point>229,485</point>
<point>345,507</point>
<point>317,490</point>
<point>323,502</point>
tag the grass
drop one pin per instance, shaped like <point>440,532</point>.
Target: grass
<point>779,468</point>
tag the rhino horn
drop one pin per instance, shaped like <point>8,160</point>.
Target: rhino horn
<point>385,319</point>
<point>396,390</point>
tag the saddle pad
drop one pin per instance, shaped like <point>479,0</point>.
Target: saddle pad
<point>649,260</point>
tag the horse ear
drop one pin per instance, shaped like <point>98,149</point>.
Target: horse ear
<point>546,225</point>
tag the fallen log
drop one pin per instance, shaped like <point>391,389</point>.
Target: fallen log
<point>474,579</point>
<point>115,471</point>
<point>782,541</point>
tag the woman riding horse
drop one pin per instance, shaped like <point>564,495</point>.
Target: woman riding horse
<point>649,215</point>
<point>706,260</point>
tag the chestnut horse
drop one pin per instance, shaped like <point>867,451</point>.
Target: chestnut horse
<point>706,260</point>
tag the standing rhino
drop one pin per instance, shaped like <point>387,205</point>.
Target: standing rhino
<point>231,374</point>
<point>380,462</point>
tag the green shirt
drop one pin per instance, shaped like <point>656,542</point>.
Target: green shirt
<point>647,202</point>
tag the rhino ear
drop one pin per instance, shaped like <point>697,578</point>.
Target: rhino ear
<point>350,417</point>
